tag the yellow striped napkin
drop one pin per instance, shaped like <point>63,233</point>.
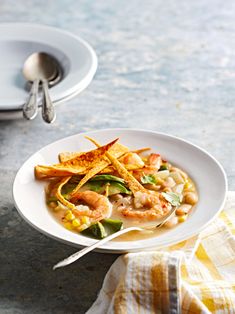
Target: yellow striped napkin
<point>194,276</point>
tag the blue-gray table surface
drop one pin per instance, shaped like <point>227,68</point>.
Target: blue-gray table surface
<point>167,66</point>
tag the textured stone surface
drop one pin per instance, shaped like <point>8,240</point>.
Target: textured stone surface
<point>163,65</point>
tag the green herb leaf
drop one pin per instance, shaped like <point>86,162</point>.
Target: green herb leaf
<point>103,228</point>
<point>163,167</point>
<point>100,187</point>
<point>116,188</point>
<point>112,225</point>
<point>172,198</point>
<point>96,231</point>
<point>148,178</point>
<point>106,177</point>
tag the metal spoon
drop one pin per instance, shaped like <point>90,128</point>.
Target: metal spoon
<point>74,257</point>
<point>40,67</point>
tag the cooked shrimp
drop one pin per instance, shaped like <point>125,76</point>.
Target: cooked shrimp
<point>153,164</point>
<point>155,160</point>
<point>148,214</point>
<point>99,205</point>
<point>156,205</point>
<point>132,159</point>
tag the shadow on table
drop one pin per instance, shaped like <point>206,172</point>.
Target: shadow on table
<point>28,283</point>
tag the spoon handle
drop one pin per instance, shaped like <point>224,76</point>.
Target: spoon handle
<point>30,108</point>
<point>79,254</point>
<point>48,111</point>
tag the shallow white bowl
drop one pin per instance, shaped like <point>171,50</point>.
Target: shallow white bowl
<point>208,174</point>
<point>18,40</point>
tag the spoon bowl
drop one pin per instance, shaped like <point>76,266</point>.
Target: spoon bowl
<point>40,66</point>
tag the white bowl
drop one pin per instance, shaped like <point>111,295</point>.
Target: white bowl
<point>19,40</point>
<point>206,172</point>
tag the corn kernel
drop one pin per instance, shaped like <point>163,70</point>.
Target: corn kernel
<point>76,223</point>
<point>187,185</point>
<point>160,181</point>
<point>85,220</point>
<point>70,216</point>
<point>82,227</point>
<point>182,218</point>
<point>68,225</point>
<point>68,212</point>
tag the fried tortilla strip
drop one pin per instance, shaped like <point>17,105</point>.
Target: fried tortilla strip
<point>141,150</point>
<point>75,165</point>
<point>117,150</point>
<point>111,169</point>
<point>87,159</point>
<point>60,196</point>
<point>64,156</point>
<point>47,172</point>
<point>133,184</point>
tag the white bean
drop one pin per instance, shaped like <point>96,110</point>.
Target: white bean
<point>177,177</point>
<point>183,209</point>
<point>178,188</point>
<point>171,222</point>
<point>182,173</point>
<point>169,182</point>
<point>162,174</point>
<point>191,198</point>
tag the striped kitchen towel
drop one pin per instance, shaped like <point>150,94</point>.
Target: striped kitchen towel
<point>194,276</point>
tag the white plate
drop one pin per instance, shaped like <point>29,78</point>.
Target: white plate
<point>208,174</point>
<point>19,40</point>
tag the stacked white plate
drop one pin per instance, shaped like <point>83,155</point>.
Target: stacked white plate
<point>18,40</point>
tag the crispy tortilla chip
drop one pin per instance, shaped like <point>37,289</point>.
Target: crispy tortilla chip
<point>47,172</point>
<point>111,169</point>
<point>133,184</point>
<point>64,156</point>
<point>117,150</point>
<point>60,196</point>
<point>141,150</point>
<point>75,165</point>
<point>87,159</point>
